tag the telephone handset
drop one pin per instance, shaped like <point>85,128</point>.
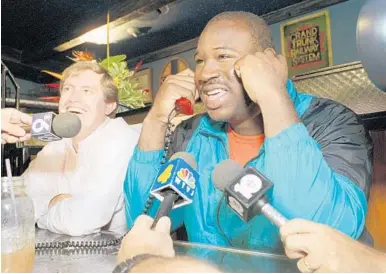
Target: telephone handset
<point>184,106</point>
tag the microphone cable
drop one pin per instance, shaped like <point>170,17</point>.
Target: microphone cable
<point>218,220</point>
<point>167,141</point>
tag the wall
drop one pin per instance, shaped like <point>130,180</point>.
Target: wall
<point>26,88</point>
<point>25,85</point>
<point>376,214</point>
<point>343,18</point>
<point>158,65</point>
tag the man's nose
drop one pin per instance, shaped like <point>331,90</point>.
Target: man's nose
<point>75,96</point>
<point>209,71</point>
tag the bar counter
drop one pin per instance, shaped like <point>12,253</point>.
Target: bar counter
<point>93,258</point>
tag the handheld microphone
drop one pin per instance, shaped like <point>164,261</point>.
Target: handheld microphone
<point>175,185</point>
<point>48,126</point>
<point>245,190</point>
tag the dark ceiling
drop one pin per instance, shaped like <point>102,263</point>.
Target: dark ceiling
<point>31,29</point>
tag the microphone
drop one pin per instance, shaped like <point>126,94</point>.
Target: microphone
<point>245,190</point>
<point>175,185</point>
<point>48,126</point>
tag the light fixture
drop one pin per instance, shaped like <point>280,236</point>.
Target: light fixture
<point>119,29</point>
<point>98,35</point>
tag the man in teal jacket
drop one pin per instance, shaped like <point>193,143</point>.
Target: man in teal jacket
<point>315,151</point>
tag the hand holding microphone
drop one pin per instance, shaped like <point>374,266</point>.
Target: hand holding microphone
<point>175,184</point>
<point>245,191</point>
<point>17,126</point>
<point>142,239</point>
<point>12,126</point>
<point>321,248</point>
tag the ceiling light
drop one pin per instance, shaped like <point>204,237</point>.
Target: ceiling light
<point>117,32</point>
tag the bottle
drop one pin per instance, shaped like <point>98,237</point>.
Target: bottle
<point>17,227</point>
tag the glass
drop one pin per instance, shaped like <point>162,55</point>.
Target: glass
<point>237,260</point>
<point>17,227</point>
<point>92,259</point>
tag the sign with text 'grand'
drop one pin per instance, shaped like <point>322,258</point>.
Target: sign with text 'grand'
<point>306,43</point>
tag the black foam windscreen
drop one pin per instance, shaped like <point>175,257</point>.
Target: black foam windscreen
<point>225,173</point>
<point>66,125</point>
<point>187,157</point>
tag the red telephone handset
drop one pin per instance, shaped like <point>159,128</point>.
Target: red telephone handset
<point>184,106</point>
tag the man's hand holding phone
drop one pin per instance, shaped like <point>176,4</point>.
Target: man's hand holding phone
<point>172,89</point>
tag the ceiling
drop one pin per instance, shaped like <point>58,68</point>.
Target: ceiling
<point>32,29</point>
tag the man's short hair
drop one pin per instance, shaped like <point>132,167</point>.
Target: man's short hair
<point>259,29</point>
<point>109,88</point>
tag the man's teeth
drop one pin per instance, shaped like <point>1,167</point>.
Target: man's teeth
<point>75,110</point>
<point>215,92</point>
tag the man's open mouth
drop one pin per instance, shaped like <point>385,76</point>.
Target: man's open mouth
<point>75,110</point>
<point>213,97</point>
<point>215,92</point>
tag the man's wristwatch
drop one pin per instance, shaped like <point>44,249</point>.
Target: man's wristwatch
<point>127,265</point>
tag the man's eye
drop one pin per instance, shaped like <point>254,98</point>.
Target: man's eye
<point>64,89</point>
<point>86,90</point>
<point>199,61</point>
<point>224,56</point>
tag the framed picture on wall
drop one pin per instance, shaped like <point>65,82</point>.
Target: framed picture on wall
<point>174,66</point>
<point>144,80</point>
<point>306,43</point>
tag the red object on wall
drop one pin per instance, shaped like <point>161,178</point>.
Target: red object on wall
<point>54,99</point>
<point>52,85</point>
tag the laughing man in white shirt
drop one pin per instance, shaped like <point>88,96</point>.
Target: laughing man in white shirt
<point>77,184</point>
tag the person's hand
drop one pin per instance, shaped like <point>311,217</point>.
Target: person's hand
<point>12,121</point>
<point>58,198</point>
<point>323,249</point>
<point>141,239</point>
<point>173,88</point>
<point>263,74</point>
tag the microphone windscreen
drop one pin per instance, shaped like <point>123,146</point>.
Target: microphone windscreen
<point>225,173</point>
<point>66,125</point>
<point>187,157</point>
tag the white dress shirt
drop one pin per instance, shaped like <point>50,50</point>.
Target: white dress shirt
<point>93,176</point>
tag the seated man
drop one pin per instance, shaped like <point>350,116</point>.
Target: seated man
<point>76,184</point>
<point>316,152</point>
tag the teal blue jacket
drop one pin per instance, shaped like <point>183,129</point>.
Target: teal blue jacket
<point>320,168</point>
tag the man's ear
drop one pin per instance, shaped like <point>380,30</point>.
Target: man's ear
<point>270,50</point>
<point>110,107</point>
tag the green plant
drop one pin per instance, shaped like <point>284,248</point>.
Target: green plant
<point>128,92</point>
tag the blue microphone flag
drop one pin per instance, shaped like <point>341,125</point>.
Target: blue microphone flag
<point>179,176</point>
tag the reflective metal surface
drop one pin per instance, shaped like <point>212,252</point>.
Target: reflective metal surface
<point>347,84</point>
<point>238,260</point>
<point>97,260</point>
